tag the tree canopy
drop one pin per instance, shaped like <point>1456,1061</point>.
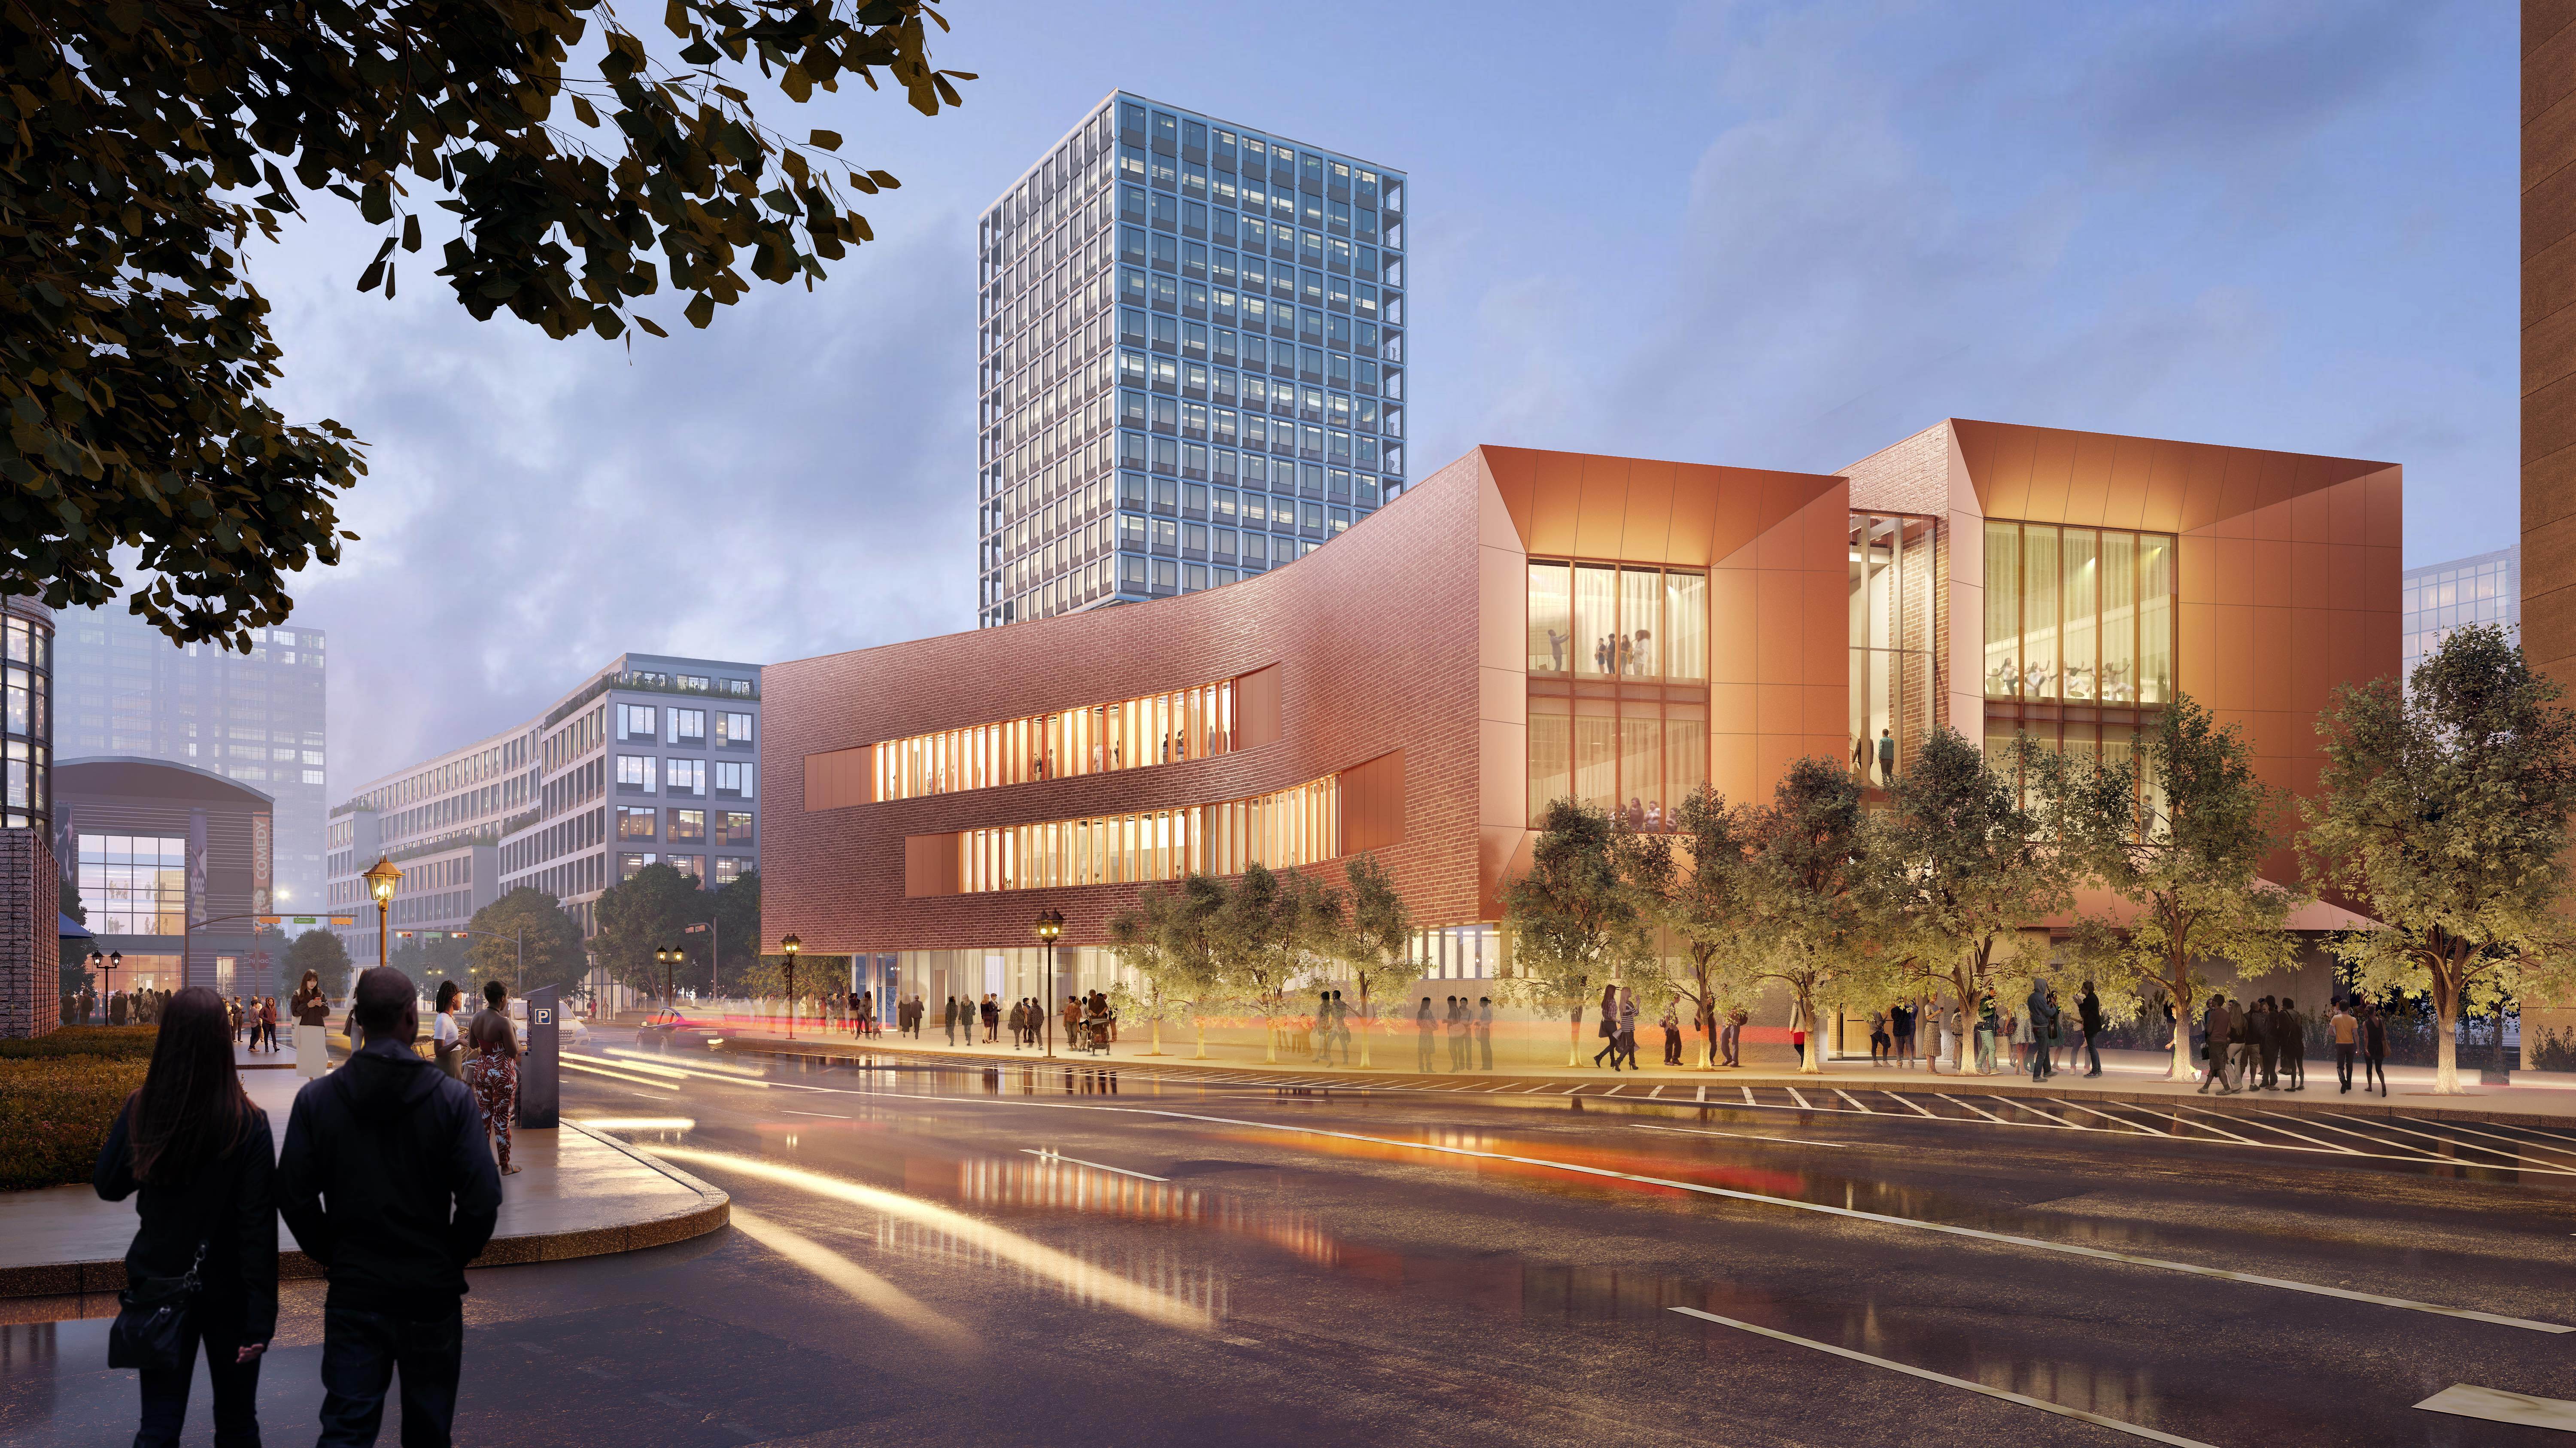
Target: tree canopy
<point>1802,879</point>
<point>143,143</point>
<point>642,914</point>
<point>554,952</point>
<point>322,953</point>
<point>1574,920</point>
<point>2444,810</point>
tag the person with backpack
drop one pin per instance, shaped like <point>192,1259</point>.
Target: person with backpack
<point>202,1269</point>
<point>387,1183</point>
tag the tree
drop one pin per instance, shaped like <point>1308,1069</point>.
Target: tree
<point>1699,898</point>
<point>322,953</point>
<point>641,914</point>
<point>2445,810</point>
<point>1136,936</point>
<point>554,954</point>
<point>143,141</point>
<point>1804,858</point>
<point>1959,869</point>
<point>428,961</point>
<point>1190,920</point>
<point>1376,945</point>
<point>733,910</point>
<point>1261,932</point>
<point>73,969</point>
<point>2177,833</point>
<point>1574,921</point>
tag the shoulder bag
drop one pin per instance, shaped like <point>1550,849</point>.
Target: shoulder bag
<point>151,1328</point>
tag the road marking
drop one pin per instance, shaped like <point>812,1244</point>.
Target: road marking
<point>2467,1400</point>
<point>2500,1136</point>
<point>1908,1102</point>
<point>1928,1375</point>
<point>834,1115</point>
<point>573,1065</point>
<point>2107,1116</point>
<point>1972,1106</point>
<point>1658,1091</point>
<point>1703,1093</point>
<point>1748,1097</point>
<point>2319,1140</point>
<point>2071,1249</point>
<point>1534,1090</point>
<point>1803,1104</point>
<point>2444,1140</point>
<point>1739,1135</point>
<point>1043,1154</point>
<point>2232,1136</point>
<point>1854,1100</point>
<point>2020,1105</point>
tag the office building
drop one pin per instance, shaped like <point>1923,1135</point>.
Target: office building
<point>1613,629</point>
<point>1190,359</point>
<point>123,689</point>
<point>2440,597</point>
<point>29,874</point>
<point>175,865</point>
<point>653,758</point>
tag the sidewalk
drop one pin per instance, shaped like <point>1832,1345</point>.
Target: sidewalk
<point>2540,1099</point>
<point>577,1194</point>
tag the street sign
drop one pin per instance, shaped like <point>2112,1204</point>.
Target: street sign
<point>402,935</point>
<point>306,920</point>
<point>272,919</point>
<point>344,919</point>
<point>545,1015</point>
<point>698,929</point>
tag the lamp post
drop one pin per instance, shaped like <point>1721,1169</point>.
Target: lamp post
<point>789,946</point>
<point>106,967</point>
<point>381,878</point>
<point>662,958</point>
<point>1050,925</point>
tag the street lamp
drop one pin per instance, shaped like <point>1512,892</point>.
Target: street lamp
<point>789,946</point>
<point>666,957</point>
<point>1050,925</point>
<point>381,878</point>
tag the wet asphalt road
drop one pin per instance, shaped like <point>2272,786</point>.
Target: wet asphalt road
<point>906,1269</point>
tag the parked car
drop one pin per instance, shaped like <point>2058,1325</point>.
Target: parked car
<point>664,1029</point>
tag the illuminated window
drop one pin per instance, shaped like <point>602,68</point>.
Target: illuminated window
<point>1185,724</point>
<point>1300,825</point>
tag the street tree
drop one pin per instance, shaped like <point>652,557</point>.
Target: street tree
<point>646,912</point>
<point>144,144</point>
<point>1377,939</point>
<point>1188,916</point>
<point>2444,810</point>
<point>1805,857</point>
<point>1696,892</point>
<point>2177,834</point>
<point>733,911</point>
<point>1958,870</point>
<point>1574,921</point>
<point>1136,936</point>
<point>1261,936</point>
<point>553,952</point>
<point>322,953</point>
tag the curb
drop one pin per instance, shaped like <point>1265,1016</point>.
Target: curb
<point>2007,1086</point>
<point>714,1210</point>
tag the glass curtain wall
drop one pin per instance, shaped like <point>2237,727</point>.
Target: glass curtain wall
<point>1891,641</point>
<point>1299,825</point>
<point>1618,706</point>
<point>1131,734</point>
<point>2079,640</point>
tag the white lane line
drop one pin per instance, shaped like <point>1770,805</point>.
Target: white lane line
<point>1928,1375</point>
<point>1050,1157</point>
<point>2517,1141</point>
<point>834,1115</point>
<point>1703,1093</point>
<point>2232,1136</point>
<point>1534,1090</point>
<point>1613,1091</point>
<point>2071,1249</point>
<point>1907,1102</point>
<point>2444,1140</point>
<point>2319,1140</point>
<point>1738,1135</point>
<point>1854,1100</point>
<point>2019,1104</point>
<point>2107,1116</point>
<point>1658,1091</point>
<point>573,1065</point>
<point>2467,1400</point>
<point>1801,1100</point>
<point>1972,1106</point>
<point>2410,1153</point>
<point>1748,1097</point>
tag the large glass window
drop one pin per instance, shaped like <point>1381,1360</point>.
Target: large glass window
<point>1633,758</point>
<point>134,884</point>
<point>1551,624</point>
<point>2078,615</point>
<point>1193,723</point>
<point>1299,825</point>
<point>1598,621</point>
<point>1891,683</point>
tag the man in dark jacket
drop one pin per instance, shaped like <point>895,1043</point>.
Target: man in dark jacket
<point>387,1182</point>
<point>2088,1014</point>
<point>2291,1034</point>
<point>2043,1032</point>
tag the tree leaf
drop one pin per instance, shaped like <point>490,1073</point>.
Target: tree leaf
<point>825,140</point>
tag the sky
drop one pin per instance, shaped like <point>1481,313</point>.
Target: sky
<point>1765,235</point>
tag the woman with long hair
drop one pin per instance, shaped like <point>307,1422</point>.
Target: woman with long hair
<point>199,1153</point>
<point>493,1070</point>
<point>312,1012</point>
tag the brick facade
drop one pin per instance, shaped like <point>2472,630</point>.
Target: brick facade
<point>30,904</point>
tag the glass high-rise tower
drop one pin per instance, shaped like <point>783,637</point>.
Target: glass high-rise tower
<point>1190,359</point>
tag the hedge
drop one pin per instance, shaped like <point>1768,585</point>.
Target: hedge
<point>116,1042</point>
<point>55,1114</point>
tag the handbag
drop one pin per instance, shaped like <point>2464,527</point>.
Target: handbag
<point>151,1327</point>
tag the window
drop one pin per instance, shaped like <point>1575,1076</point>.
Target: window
<point>693,866</point>
<point>635,773</point>
<point>688,726</point>
<point>733,731</point>
<point>2083,615</point>
<point>730,868</point>
<point>688,826</point>
<point>635,721</point>
<point>1601,621</point>
<point>629,865</point>
<point>737,780</point>
<point>737,688</point>
<point>1295,826</point>
<point>684,776</point>
<point>694,684</point>
<point>634,823</point>
<point>733,827</point>
<point>1637,758</point>
<point>134,884</point>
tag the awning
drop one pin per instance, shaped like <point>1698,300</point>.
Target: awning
<point>73,929</point>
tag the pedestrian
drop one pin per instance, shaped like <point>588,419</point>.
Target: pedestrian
<point>205,1244</point>
<point>1342,1026</point>
<point>447,1044</point>
<point>1985,1033</point>
<point>2017,1026</point>
<point>948,1018</point>
<point>1900,1021</point>
<point>2214,1047</point>
<point>1626,1041</point>
<point>1322,1030</point>
<point>1456,1024</point>
<point>2042,1025</point>
<point>2347,1034</point>
<point>313,1019</point>
<point>1880,1042</point>
<point>2259,1028</point>
<point>1609,1027</point>
<point>1798,1030</point>
<point>492,1071</point>
<point>386,1184</point>
<point>2244,1032</point>
<point>2374,1050</point>
<point>2290,1038</point>
<point>2088,1013</point>
<point>992,1019</point>
<point>1941,1035</point>
<point>1484,1030</point>
<point>1672,1024</point>
<point>1731,1040</point>
<point>1422,1037</point>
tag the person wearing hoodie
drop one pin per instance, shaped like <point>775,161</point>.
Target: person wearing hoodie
<point>387,1183</point>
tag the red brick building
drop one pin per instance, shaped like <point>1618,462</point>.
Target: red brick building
<point>1527,624</point>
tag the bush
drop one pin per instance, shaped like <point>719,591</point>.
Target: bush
<point>55,1114</point>
<point>121,1043</point>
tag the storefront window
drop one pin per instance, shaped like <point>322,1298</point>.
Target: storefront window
<point>1598,621</point>
<point>2078,615</point>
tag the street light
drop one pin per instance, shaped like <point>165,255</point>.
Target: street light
<point>790,946</point>
<point>666,957</point>
<point>1050,925</point>
<point>381,878</point>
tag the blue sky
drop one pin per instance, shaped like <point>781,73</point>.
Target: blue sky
<point>1770,235</point>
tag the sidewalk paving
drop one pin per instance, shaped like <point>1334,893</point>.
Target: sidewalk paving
<point>2541,1099</point>
<point>578,1193</point>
